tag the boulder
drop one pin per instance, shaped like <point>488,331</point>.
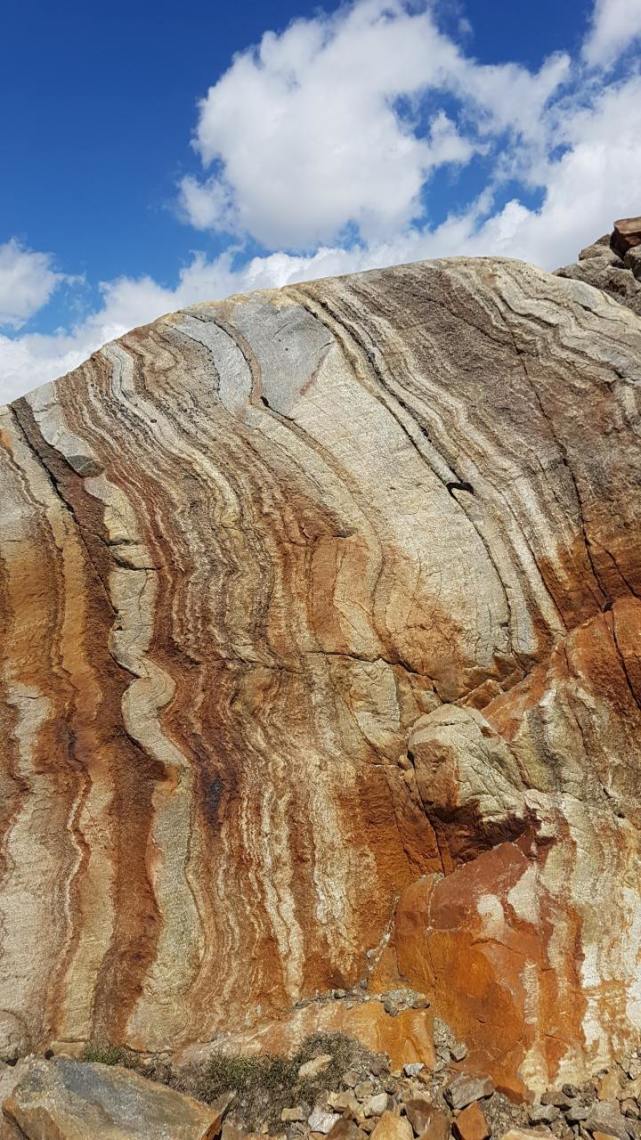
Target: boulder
<point>320,622</point>
<point>599,248</point>
<point>626,234</point>
<point>72,1100</point>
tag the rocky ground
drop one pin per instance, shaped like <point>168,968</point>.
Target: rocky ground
<point>432,1105</point>
<point>341,1092</point>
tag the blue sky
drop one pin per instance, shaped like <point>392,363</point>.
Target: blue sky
<point>154,155</point>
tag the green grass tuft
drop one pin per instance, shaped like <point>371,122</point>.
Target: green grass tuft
<point>266,1084</point>
<point>110,1055</point>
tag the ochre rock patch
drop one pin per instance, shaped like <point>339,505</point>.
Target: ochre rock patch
<point>405,1037</point>
<point>319,616</point>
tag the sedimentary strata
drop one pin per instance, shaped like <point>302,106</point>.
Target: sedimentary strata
<point>321,616</point>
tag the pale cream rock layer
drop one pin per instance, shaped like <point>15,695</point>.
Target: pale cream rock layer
<point>320,630</point>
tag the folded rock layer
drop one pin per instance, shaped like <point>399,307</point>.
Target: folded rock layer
<point>320,616</point>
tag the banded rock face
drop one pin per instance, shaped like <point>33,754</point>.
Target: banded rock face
<point>320,615</point>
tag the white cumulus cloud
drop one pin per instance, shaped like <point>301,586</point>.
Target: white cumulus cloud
<point>27,280</point>
<point>306,133</point>
<point>616,24</point>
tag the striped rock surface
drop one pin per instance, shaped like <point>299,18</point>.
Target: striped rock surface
<point>321,663</point>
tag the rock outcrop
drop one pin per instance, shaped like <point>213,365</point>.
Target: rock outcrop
<point>321,675</point>
<point>613,263</point>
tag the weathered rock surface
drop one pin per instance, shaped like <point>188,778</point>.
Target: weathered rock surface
<point>69,1100</point>
<point>320,617</point>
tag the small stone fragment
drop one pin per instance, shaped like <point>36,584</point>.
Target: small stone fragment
<point>393,1127</point>
<point>629,1107</point>
<point>471,1124</point>
<point>425,1076</point>
<point>577,1113</point>
<point>376,1105</point>
<point>558,1098</point>
<point>458,1051</point>
<point>379,1064</point>
<point>292,1115</point>
<point>413,1068</point>
<point>344,1102</point>
<point>419,1110</point>
<point>605,1116</point>
<point>465,1089</point>
<point>321,1121</point>
<point>345,1129</point>
<point>350,1078</point>
<point>570,1091</point>
<point>364,1089</point>
<point>394,1001</point>
<point>315,1066</point>
<point>438,1125</point>
<point>527,1134</point>
<point>543,1113</point>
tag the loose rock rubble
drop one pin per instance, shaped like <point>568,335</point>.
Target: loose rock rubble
<point>613,263</point>
<point>369,1099</point>
<point>416,1103</point>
